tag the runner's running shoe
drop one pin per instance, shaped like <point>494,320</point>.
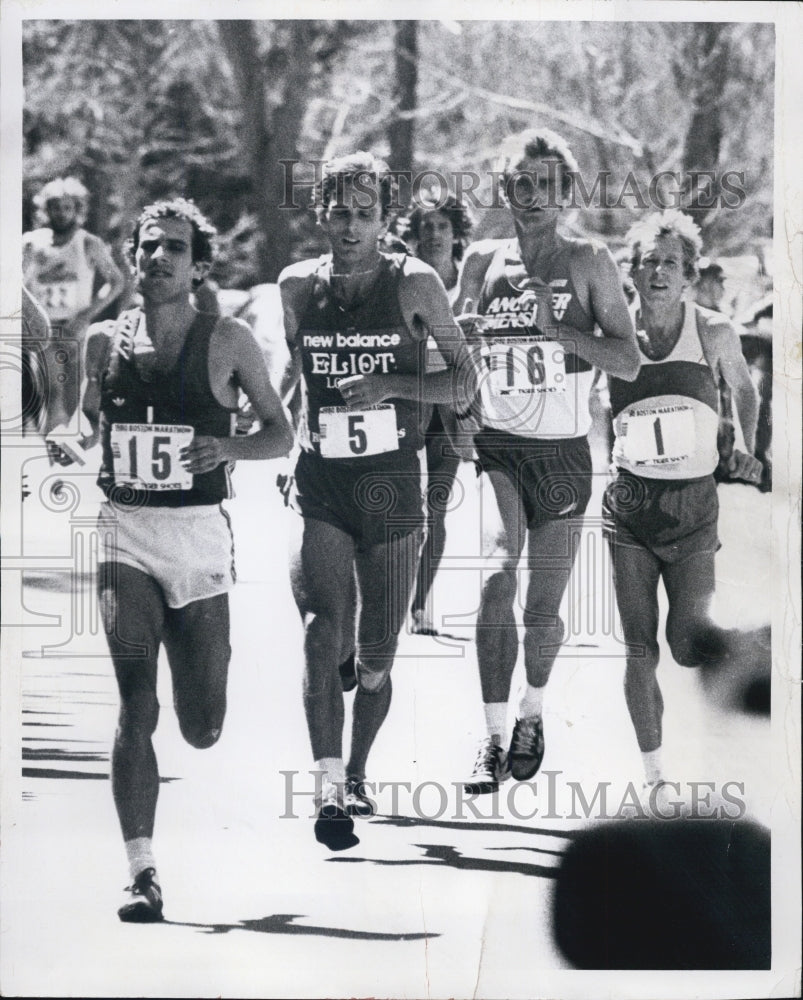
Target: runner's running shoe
<point>144,905</point>
<point>490,767</point>
<point>526,748</point>
<point>356,801</point>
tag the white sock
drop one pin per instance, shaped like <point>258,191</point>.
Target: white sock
<point>496,720</point>
<point>653,767</point>
<point>531,703</point>
<point>140,855</point>
<point>334,770</point>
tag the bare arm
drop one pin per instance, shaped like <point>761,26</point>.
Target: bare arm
<point>616,351</point>
<point>244,361</point>
<point>275,437</point>
<point>423,300</point>
<point>96,353</point>
<point>731,365</point>
<point>292,289</point>
<point>113,281</point>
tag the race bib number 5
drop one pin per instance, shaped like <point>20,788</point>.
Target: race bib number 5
<point>346,433</point>
<point>660,438</point>
<point>519,366</point>
<point>147,456</point>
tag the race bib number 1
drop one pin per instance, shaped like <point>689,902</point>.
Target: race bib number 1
<point>346,433</point>
<point>522,367</point>
<point>146,456</point>
<point>660,438</point>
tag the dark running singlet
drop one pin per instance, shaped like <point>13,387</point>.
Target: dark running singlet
<point>140,450</point>
<point>370,338</point>
<point>533,385</point>
<point>666,421</point>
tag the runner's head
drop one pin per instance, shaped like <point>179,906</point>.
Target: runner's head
<point>354,202</point>
<point>201,231</point>
<point>710,288</point>
<point>535,169</point>
<point>367,178</point>
<point>435,221</point>
<point>664,250</point>
<point>62,204</point>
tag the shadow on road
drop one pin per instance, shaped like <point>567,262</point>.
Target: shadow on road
<point>282,923</point>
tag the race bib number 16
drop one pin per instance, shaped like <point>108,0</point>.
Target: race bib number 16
<point>346,433</point>
<point>146,456</point>
<point>522,367</point>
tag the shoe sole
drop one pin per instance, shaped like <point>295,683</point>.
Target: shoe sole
<point>360,809</point>
<point>524,771</point>
<point>480,787</point>
<point>336,830</point>
<point>139,913</point>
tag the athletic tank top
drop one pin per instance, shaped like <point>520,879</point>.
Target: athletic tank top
<point>59,278</point>
<point>666,420</point>
<point>531,384</point>
<point>368,338</point>
<point>140,449</point>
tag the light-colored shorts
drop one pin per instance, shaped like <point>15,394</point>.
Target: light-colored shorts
<point>189,551</point>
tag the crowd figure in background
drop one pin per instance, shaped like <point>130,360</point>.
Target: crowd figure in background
<point>73,277</point>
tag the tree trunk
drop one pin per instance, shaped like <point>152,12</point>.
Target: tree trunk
<point>242,48</point>
<point>402,128</point>
<point>706,82</point>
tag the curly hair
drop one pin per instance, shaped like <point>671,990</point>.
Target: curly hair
<point>61,187</point>
<point>361,168</point>
<point>203,232</point>
<point>671,222</point>
<point>532,144</point>
<point>455,211</point>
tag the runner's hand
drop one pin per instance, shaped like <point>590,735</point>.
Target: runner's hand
<point>202,455</point>
<point>745,467</point>
<point>360,391</point>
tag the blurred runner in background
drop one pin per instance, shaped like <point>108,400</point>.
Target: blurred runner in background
<point>73,277</point>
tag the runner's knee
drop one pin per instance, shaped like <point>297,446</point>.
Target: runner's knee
<point>500,587</point>
<point>201,736</point>
<point>372,679</point>
<point>139,714</point>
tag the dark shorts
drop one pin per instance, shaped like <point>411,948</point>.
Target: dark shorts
<point>373,500</point>
<point>553,478</point>
<point>673,520</point>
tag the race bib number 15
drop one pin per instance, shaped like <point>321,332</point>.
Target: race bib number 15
<point>146,456</point>
<point>346,433</point>
<point>522,367</point>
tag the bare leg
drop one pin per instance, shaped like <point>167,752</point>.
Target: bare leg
<point>132,607</point>
<point>497,636</point>
<point>385,575</point>
<point>197,642</point>
<point>321,575</point>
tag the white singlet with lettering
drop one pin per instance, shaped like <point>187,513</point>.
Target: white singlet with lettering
<point>346,433</point>
<point>147,456</point>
